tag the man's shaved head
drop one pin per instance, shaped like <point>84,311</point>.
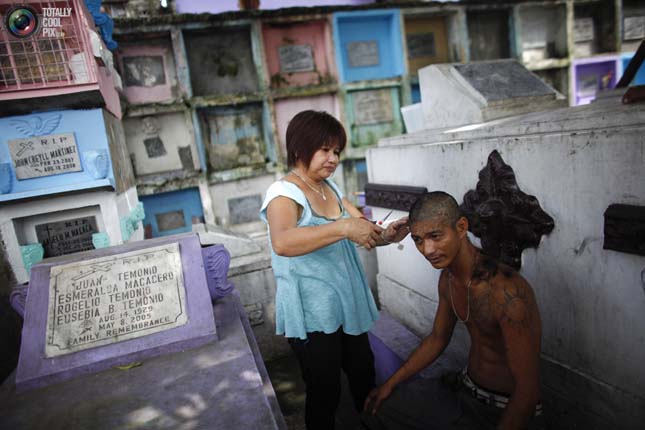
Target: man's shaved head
<point>435,205</point>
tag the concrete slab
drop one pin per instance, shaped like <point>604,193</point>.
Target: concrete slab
<point>221,385</point>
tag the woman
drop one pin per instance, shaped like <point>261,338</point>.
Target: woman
<point>323,303</point>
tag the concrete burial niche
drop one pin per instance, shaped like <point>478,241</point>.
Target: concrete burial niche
<point>57,151</point>
<point>162,143</point>
<point>241,200</point>
<point>234,136</point>
<point>633,24</point>
<point>427,41</point>
<point>593,75</point>
<point>488,34</point>
<point>373,114</point>
<point>594,28</point>
<point>91,311</point>
<point>368,44</point>
<point>221,61</point>
<point>460,94</point>
<point>148,70</point>
<point>543,32</point>
<point>172,213</point>
<point>298,54</point>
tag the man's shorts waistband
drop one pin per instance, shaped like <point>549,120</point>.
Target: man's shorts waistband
<point>486,396</point>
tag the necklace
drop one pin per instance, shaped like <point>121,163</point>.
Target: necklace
<point>320,192</point>
<point>470,281</point>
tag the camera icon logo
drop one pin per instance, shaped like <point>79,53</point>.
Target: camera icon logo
<point>22,21</point>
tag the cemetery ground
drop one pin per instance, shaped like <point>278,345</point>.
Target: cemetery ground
<point>290,389</point>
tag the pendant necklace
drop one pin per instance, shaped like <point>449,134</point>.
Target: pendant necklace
<point>470,281</point>
<point>320,192</point>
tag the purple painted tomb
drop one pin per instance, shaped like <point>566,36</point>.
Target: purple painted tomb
<point>89,311</point>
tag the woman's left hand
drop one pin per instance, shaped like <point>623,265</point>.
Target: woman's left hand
<point>396,231</point>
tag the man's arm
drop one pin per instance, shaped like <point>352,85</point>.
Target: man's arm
<point>519,320</point>
<point>428,351</point>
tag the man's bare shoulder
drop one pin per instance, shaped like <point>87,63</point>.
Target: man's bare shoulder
<point>513,297</point>
<point>516,301</point>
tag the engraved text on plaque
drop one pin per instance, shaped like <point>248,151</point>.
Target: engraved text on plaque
<point>110,299</point>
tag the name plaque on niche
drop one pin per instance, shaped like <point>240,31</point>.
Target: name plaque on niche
<point>38,156</point>
<point>363,54</point>
<point>111,299</point>
<point>634,27</point>
<point>421,45</point>
<point>66,237</point>
<point>372,107</point>
<point>583,29</point>
<point>296,58</point>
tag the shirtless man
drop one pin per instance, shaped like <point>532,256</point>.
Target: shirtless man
<point>500,388</point>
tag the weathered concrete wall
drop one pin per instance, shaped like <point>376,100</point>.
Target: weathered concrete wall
<point>576,162</point>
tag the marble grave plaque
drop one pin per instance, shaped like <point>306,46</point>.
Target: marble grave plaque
<point>68,236</point>
<point>145,71</point>
<point>170,220</point>
<point>154,147</point>
<point>583,29</point>
<point>634,27</point>
<point>244,209</point>
<point>363,54</point>
<point>372,107</point>
<point>421,45</point>
<point>38,156</point>
<point>111,299</point>
<point>296,58</point>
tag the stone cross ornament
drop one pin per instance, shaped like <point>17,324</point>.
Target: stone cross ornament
<point>506,219</point>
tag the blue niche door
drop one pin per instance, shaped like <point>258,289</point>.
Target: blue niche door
<point>368,45</point>
<point>172,213</point>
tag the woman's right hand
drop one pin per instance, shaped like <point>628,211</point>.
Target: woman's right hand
<point>361,231</point>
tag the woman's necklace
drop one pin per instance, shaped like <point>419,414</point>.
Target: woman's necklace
<point>470,281</point>
<point>321,192</point>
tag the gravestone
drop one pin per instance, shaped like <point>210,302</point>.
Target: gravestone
<point>460,94</point>
<point>363,54</point>
<point>68,236</point>
<point>154,147</point>
<point>372,107</point>
<point>38,156</point>
<point>296,58</point>
<point>145,71</point>
<point>421,45</point>
<point>244,209</point>
<point>170,220</point>
<point>89,311</point>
